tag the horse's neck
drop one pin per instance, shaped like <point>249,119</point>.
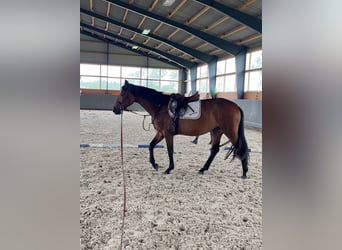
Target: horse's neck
<point>147,105</point>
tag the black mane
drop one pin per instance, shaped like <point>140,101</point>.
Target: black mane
<point>152,95</point>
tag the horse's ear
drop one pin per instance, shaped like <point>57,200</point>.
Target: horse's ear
<point>125,86</point>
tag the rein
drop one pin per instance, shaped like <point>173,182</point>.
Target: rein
<point>224,143</point>
<point>143,123</point>
<point>124,185</point>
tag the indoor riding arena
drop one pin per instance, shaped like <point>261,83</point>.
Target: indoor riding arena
<point>213,48</point>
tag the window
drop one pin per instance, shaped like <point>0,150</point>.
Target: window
<point>90,69</point>
<point>153,84</point>
<point>131,72</point>
<point>253,81</point>
<point>104,83</point>
<point>111,77</point>
<point>114,83</point>
<point>230,65</point>
<point>220,84</point>
<point>203,85</point>
<point>188,84</point>
<point>253,76</point>
<point>90,82</point>
<point>114,71</point>
<point>221,67</point>
<point>202,79</point>
<point>225,79</point>
<point>202,71</point>
<point>153,73</point>
<point>169,80</point>
<point>230,84</point>
<point>134,81</point>
<point>169,86</point>
<point>104,70</point>
<point>256,60</point>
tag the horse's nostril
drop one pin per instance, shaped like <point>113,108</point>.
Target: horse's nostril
<point>116,110</point>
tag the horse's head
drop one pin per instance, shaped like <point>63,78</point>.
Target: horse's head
<point>125,99</point>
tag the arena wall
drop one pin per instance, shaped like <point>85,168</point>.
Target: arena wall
<point>252,108</point>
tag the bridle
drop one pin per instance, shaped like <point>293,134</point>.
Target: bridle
<point>136,113</point>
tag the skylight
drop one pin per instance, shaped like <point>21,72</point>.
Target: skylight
<point>168,3</point>
<point>146,31</point>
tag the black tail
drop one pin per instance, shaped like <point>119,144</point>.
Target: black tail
<point>241,150</point>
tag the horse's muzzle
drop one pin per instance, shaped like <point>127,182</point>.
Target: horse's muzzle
<point>117,110</point>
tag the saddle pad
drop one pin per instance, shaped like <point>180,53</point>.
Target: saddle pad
<point>193,112</point>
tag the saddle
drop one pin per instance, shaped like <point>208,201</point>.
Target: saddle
<point>178,105</point>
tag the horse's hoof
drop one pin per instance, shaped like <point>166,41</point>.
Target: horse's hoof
<point>155,166</point>
<point>201,172</point>
<point>167,172</point>
<point>243,177</point>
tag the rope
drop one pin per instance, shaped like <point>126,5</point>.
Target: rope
<point>136,113</point>
<point>124,186</point>
<point>143,122</point>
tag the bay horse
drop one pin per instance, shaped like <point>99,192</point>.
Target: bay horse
<point>220,116</point>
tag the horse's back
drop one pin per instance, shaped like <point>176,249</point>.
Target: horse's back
<point>220,103</point>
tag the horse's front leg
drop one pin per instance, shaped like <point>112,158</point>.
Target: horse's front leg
<point>169,143</point>
<point>153,143</point>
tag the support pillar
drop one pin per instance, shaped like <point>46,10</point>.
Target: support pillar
<point>212,66</point>
<point>193,73</point>
<point>183,81</point>
<point>240,65</point>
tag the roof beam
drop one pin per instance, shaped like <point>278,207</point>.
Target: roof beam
<point>176,9</point>
<point>172,34</point>
<point>108,9</point>
<point>147,40</point>
<point>153,5</point>
<point>249,38</point>
<point>91,5</point>
<point>219,21</point>
<point>188,39</point>
<point>180,61</point>
<point>246,4</point>
<point>241,7</point>
<point>121,29</point>
<point>232,31</point>
<point>200,13</point>
<point>243,18</point>
<point>108,12</point>
<point>157,28</point>
<point>125,16</point>
<point>106,40</point>
<point>195,53</point>
<point>225,45</point>
<point>141,22</point>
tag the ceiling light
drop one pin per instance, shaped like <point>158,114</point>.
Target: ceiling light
<point>168,3</point>
<point>146,31</point>
<point>135,47</point>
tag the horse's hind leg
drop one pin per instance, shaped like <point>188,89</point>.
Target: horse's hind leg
<point>240,148</point>
<point>169,143</point>
<point>215,147</point>
<point>153,143</point>
<point>244,168</point>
